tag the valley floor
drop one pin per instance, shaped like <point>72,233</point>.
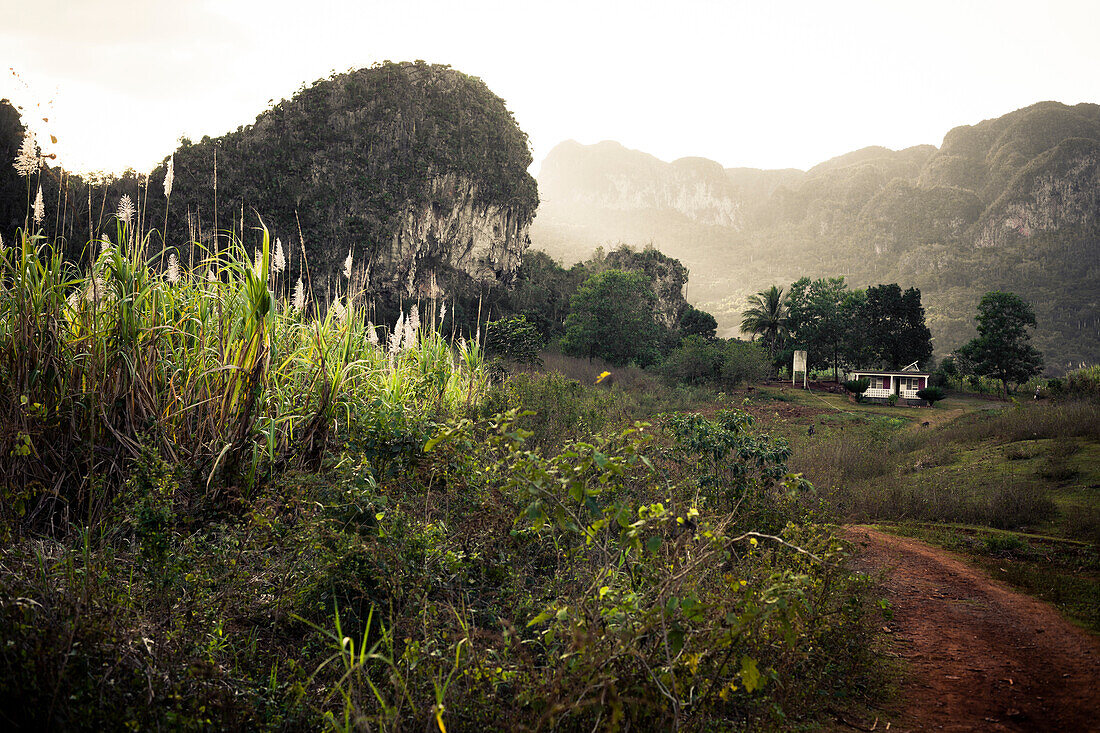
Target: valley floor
<point>978,655</point>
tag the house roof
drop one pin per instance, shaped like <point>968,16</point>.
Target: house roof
<point>881,373</point>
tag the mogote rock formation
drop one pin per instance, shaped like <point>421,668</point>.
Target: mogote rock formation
<point>417,170</point>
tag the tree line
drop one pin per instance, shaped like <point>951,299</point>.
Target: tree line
<point>884,327</point>
<point>624,306</point>
<point>880,327</point>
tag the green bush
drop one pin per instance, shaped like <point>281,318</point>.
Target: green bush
<point>612,316</point>
<point>892,400</point>
<point>514,339</point>
<point>857,387</point>
<point>931,395</point>
<point>722,364</point>
<point>743,362</point>
<point>1082,384</point>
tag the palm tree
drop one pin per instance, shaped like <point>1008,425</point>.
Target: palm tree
<point>766,317</point>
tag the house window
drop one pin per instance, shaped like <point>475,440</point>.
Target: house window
<point>877,383</point>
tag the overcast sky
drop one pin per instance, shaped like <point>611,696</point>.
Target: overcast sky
<point>762,84</point>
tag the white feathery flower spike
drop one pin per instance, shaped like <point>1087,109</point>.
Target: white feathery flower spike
<point>412,323</point>
<point>173,268</point>
<point>27,160</point>
<point>39,207</point>
<point>96,289</point>
<point>126,209</point>
<point>339,313</point>
<point>259,262</point>
<point>299,296</point>
<point>210,276</point>
<point>2,246</point>
<point>397,334</point>
<point>347,266</point>
<point>279,263</point>
<point>372,334</point>
<point>169,176</point>
<point>442,312</point>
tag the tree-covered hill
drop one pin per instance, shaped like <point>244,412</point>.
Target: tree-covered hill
<point>1011,203</point>
<point>417,170</point>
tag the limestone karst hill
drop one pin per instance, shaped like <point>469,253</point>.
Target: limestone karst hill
<point>1010,203</point>
<point>418,170</point>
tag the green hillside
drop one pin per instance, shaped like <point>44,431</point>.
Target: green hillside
<point>416,169</point>
<point>1011,203</point>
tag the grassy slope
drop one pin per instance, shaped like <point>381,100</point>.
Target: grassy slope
<point>1015,489</point>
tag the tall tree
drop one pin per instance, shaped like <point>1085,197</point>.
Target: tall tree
<point>892,323</point>
<point>612,317</point>
<point>766,317</point>
<point>1001,350</point>
<point>818,320</point>
<point>856,347</point>
<point>696,322</point>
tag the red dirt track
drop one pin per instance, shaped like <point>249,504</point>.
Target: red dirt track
<point>978,655</point>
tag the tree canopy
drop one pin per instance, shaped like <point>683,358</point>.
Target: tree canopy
<point>818,321</point>
<point>1002,349</point>
<point>881,326</point>
<point>766,317</point>
<point>698,323</point>
<point>892,325</point>
<point>612,317</point>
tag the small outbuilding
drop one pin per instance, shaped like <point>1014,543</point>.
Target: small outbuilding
<point>905,384</point>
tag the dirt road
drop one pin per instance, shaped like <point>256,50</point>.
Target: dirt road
<point>979,656</point>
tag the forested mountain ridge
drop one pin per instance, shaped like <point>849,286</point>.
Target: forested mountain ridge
<point>417,170</point>
<point>1011,203</point>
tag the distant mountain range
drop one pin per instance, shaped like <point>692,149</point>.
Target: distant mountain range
<point>1011,203</point>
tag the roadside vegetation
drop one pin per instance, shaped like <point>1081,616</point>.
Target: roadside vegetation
<point>225,509</point>
<point>1015,486</point>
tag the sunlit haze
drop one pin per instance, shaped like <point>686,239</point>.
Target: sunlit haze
<point>785,84</point>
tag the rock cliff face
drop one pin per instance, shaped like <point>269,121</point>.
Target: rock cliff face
<point>454,234</point>
<point>1011,203</point>
<point>1059,189</point>
<point>417,170</point>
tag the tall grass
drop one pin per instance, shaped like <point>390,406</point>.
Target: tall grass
<point>1068,419</point>
<point>206,365</point>
<point>966,471</point>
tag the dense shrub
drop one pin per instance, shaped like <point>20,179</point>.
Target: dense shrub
<point>857,387</point>
<point>222,513</point>
<point>931,395</point>
<point>1080,384</point>
<point>514,339</point>
<point>722,364</point>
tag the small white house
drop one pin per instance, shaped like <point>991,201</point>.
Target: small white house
<point>905,384</point>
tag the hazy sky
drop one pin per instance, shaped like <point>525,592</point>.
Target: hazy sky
<point>763,84</point>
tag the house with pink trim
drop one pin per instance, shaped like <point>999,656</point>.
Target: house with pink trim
<point>905,384</point>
